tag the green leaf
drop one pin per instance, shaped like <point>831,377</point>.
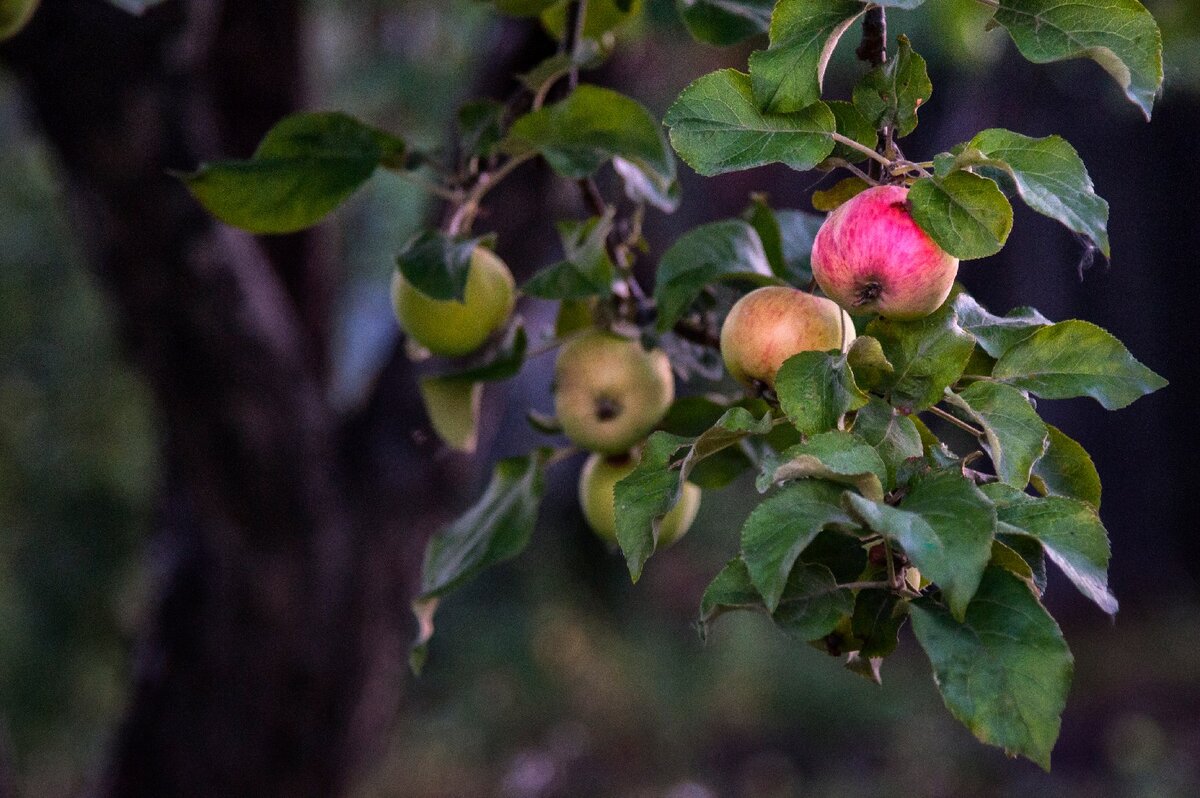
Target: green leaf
<point>1029,549</point>
<point>787,237</point>
<point>927,355</point>
<point>812,604</point>
<point>496,528</point>
<point>725,22</point>
<point>1119,35</point>
<point>890,95</point>
<point>453,408</point>
<point>1067,470</point>
<point>1048,174</point>
<point>648,186</point>
<point>1077,358</point>
<point>437,264</point>
<point>997,334</point>
<point>480,127</point>
<point>718,251</point>
<point>307,165</point>
<point>645,496</point>
<point>945,525</point>
<point>1004,670</point>
<point>779,529</point>
<point>716,126</point>
<point>1014,434</point>
<point>871,368</point>
<point>836,457</point>
<point>592,125</point>
<point>831,198</point>
<point>967,215</point>
<point>853,125</point>
<point>523,8</point>
<point>893,436</point>
<point>878,616</point>
<point>731,589</point>
<point>1071,533</point>
<point>586,269</point>
<point>816,389</point>
<point>505,361</point>
<point>586,54</point>
<point>1008,558</point>
<point>735,425</point>
<point>602,17</point>
<point>788,75</point>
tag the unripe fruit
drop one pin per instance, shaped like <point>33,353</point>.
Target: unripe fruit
<point>609,392</point>
<point>14,14</point>
<point>871,257</point>
<point>769,325</point>
<point>450,328</point>
<point>597,492</point>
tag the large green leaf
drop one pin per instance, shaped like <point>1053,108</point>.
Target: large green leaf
<point>1048,174</point>
<point>586,270</point>
<point>816,389</point>
<point>1067,470</point>
<point>1014,434</point>
<point>811,606</point>
<point>787,238</point>
<point>592,125</point>
<point>779,529</point>
<point>716,126</point>
<point>967,215</point>
<point>894,436</point>
<point>1004,670</point>
<point>890,95</point>
<point>836,457</point>
<point>725,22</point>
<point>1077,358</point>
<point>644,496</point>
<point>997,334</point>
<point>729,249</point>
<point>306,166</point>
<point>437,264</point>
<point>1069,530</point>
<point>1119,35</point>
<point>852,124</point>
<point>945,525</point>
<point>788,75</point>
<point>927,355</point>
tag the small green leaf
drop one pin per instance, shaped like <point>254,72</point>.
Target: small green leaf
<point>731,589</point>
<point>845,189</point>
<point>1014,434</point>
<point>1008,558</point>
<point>592,125</point>
<point>927,355</point>
<point>1067,470</point>
<point>645,496</point>
<point>1048,174</point>
<point>725,22</point>
<point>586,54</point>
<point>997,334</point>
<point>718,251</point>
<point>1119,35</point>
<point>1071,533</point>
<point>504,362</point>
<point>1004,670</point>
<point>878,616</point>
<point>1077,358</point>
<point>967,215</point>
<point>437,264</point>
<point>480,127</point>
<point>644,185</point>
<point>816,389</point>
<point>735,425</point>
<point>779,529</point>
<point>788,75</point>
<point>586,269</point>
<point>787,238</point>
<point>812,604</point>
<point>716,126</point>
<point>853,125</point>
<point>307,165</point>
<point>945,525</point>
<point>836,457</point>
<point>453,408</point>
<point>523,8</point>
<point>890,95</point>
<point>602,16</point>
<point>893,436</point>
<point>870,366</point>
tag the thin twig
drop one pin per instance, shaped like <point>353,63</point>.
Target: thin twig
<point>951,419</point>
<point>864,149</point>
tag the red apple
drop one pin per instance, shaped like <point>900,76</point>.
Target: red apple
<point>871,257</point>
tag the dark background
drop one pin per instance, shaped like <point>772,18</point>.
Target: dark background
<point>216,478</point>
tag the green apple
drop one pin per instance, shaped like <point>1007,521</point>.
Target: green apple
<point>597,483</point>
<point>450,328</point>
<point>609,392</point>
<point>13,16</point>
<point>769,325</point>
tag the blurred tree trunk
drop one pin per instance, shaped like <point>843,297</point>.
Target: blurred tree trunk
<point>273,659</point>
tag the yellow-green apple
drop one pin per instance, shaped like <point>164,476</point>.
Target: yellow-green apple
<point>871,257</point>
<point>451,328</point>
<point>769,325</point>
<point>597,495</point>
<point>609,392</point>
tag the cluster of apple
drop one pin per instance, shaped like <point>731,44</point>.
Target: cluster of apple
<point>869,257</point>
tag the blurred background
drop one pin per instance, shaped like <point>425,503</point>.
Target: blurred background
<point>212,511</point>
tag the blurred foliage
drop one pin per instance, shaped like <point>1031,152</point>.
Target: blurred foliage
<point>77,481</point>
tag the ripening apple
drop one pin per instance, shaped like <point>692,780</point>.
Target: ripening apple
<point>871,257</point>
<point>769,325</point>
<point>451,328</point>
<point>13,16</point>
<point>609,392</point>
<point>597,496</point>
